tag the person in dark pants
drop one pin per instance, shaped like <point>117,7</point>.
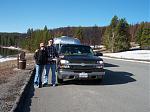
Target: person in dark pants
<point>41,59</point>
<point>51,63</point>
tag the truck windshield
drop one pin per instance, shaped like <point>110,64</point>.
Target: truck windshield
<point>76,50</point>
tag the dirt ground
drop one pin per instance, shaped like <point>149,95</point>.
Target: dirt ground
<point>12,80</point>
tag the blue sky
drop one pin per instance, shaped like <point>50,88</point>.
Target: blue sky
<point>19,15</point>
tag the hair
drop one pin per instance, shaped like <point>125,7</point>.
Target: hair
<point>51,39</point>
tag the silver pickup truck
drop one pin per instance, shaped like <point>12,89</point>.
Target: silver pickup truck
<point>78,62</point>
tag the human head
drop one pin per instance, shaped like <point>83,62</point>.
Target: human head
<point>41,44</point>
<point>50,42</point>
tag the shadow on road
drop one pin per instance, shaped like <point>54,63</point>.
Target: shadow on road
<point>25,102</point>
<point>110,78</point>
<point>81,82</point>
<point>117,77</point>
<point>110,65</point>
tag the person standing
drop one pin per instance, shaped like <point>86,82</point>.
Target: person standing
<point>51,63</point>
<point>40,57</point>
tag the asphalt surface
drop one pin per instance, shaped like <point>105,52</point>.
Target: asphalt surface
<point>125,88</point>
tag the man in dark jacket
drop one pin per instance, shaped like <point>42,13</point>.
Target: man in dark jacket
<point>41,59</point>
<point>51,63</point>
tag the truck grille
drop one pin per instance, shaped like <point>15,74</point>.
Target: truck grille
<point>79,68</point>
<point>83,61</point>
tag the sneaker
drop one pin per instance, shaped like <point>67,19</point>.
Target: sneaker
<point>36,86</point>
<point>45,85</point>
<point>54,85</point>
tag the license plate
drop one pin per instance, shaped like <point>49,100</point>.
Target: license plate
<point>83,75</point>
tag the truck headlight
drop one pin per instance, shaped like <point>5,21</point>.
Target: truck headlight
<point>63,64</point>
<point>64,61</point>
<point>100,62</point>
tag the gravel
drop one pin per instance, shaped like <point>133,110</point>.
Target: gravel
<point>11,82</point>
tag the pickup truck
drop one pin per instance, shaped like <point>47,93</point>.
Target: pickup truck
<point>79,62</point>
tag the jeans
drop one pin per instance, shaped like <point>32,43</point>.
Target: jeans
<point>53,70</point>
<point>38,75</point>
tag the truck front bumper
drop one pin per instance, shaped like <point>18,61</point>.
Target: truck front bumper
<point>73,75</point>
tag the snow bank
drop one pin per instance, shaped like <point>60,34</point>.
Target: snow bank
<point>7,59</point>
<point>12,47</point>
<point>137,54</point>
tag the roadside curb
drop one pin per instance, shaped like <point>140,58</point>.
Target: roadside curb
<point>129,59</point>
<point>19,102</point>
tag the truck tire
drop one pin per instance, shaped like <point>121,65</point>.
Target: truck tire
<point>99,80</point>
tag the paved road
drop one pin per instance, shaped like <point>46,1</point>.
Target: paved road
<point>126,88</point>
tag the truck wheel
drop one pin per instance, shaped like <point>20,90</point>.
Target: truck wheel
<point>59,80</point>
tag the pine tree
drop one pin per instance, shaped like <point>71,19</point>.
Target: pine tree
<point>145,38</point>
<point>116,36</point>
<point>109,35</point>
<point>139,33</point>
<point>45,28</point>
<point>121,42</point>
<point>114,22</point>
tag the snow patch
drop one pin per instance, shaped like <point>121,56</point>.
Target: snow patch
<point>7,59</point>
<point>137,54</point>
<point>12,47</point>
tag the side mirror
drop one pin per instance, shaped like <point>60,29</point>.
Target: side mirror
<point>98,54</point>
